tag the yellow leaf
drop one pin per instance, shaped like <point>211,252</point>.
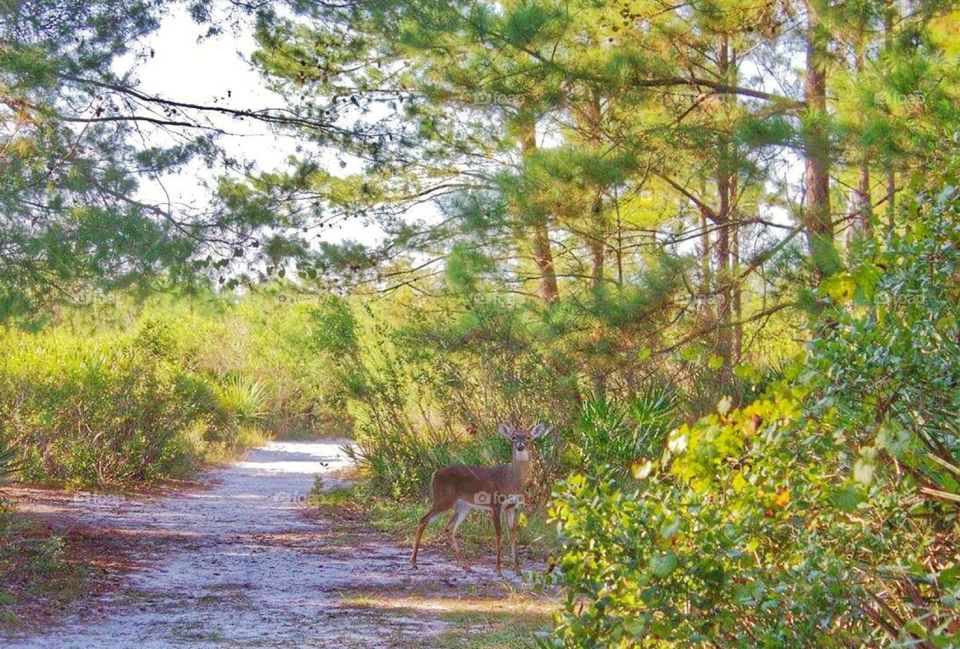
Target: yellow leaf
<point>723,406</point>
<point>641,469</point>
<point>745,371</point>
<point>738,482</point>
<point>782,498</point>
<point>677,441</point>
<point>839,287</point>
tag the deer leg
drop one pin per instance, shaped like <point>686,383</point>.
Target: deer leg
<point>495,514</point>
<point>459,513</point>
<point>512,531</point>
<point>435,511</point>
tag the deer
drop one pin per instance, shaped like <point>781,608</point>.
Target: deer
<point>492,489</point>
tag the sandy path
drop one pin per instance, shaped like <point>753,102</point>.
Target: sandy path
<point>239,565</point>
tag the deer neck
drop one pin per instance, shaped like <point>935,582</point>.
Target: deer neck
<point>520,468</point>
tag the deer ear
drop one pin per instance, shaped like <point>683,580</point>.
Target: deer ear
<point>505,429</point>
<point>538,430</point>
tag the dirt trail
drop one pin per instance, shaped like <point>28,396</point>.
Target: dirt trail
<point>239,565</point>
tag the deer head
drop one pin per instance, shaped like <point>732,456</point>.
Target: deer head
<point>519,438</point>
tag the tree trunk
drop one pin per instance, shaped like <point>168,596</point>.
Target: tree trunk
<point>816,201</point>
<point>598,242</point>
<point>891,174</point>
<point>737,350</point>
<point>737,297</point>
<point>597,226</point>
<point>705,270</point>
<point>722,219</point>
<point>863,225</point>
<point>724,335</point>
<point>549,292</point>
<point>616,201</point>
<point>542,254</point>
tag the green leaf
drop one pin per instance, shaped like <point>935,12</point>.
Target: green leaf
<point>840,287</point>
<point>847,498</point>
<point>825,255</point>
<point>893,438</point>
<point>738,482</point>
<point>745,371</point>
<point>670,529</point>
<point>664,564</point>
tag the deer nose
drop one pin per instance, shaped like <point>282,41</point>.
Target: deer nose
<point>520,446</point>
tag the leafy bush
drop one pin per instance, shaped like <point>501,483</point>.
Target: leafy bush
<point>137,393</point>
<point>96,414</point>
<point>824,514</point>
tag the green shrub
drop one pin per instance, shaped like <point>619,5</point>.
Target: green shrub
<point>697,555</point>
<point>139,391</point>
<point>101,411</point>
<point>96,413</point>
<point>825,513</point>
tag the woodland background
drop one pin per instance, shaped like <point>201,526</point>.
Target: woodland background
<point>713,243</point>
